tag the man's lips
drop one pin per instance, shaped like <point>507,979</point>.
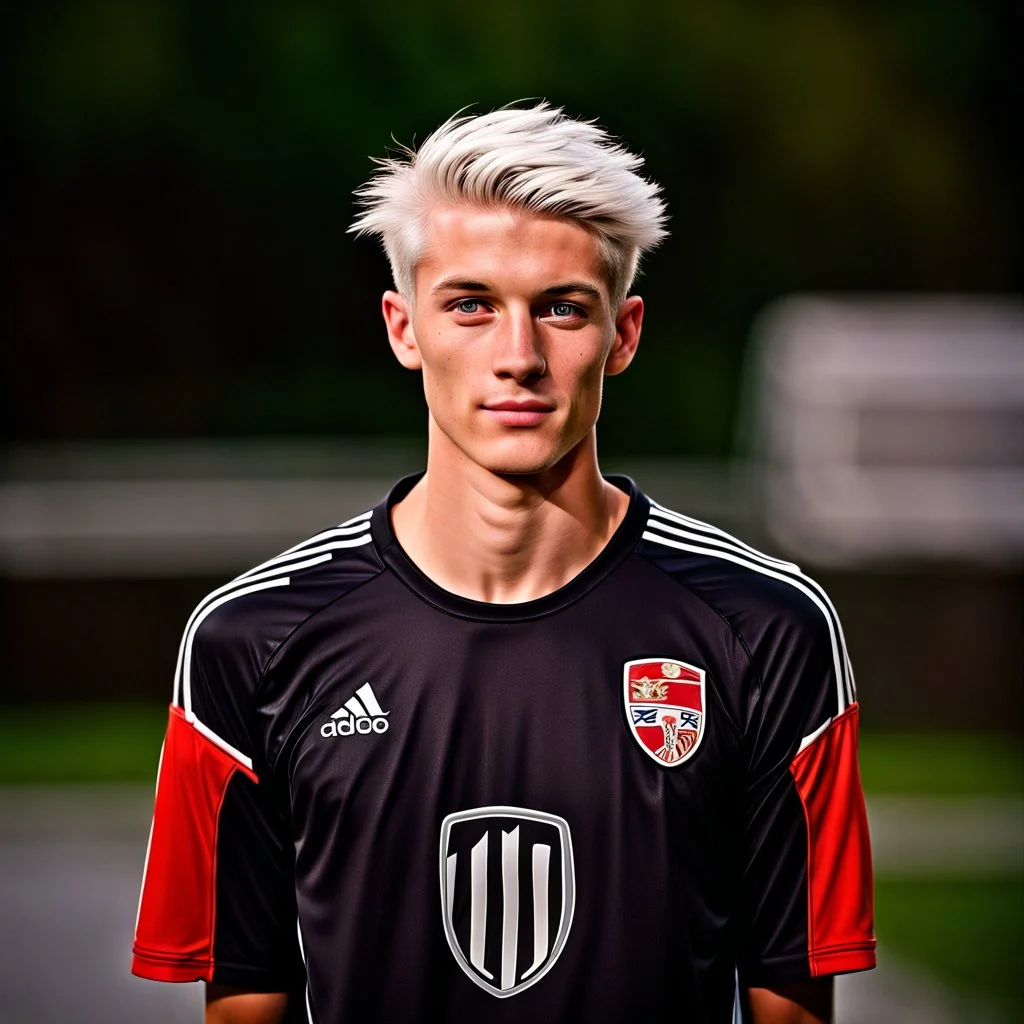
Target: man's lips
<point>525,413</point>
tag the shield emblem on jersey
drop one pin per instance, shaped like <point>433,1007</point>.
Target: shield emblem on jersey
<point>665,707</point>
<point>508,890</point>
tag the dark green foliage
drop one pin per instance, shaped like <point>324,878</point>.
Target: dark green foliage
<point>182,179</point>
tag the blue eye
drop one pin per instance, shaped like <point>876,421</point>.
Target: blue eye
<point>468,306</point>
<point>563,309</point>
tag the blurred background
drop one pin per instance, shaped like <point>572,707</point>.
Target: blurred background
<point>194,376</point>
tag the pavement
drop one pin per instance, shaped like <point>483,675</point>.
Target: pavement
<point>71,860</point>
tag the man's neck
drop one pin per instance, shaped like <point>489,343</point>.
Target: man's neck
<point>508,539</point>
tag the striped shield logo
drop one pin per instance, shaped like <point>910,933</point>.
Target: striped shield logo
<point>507,894</point>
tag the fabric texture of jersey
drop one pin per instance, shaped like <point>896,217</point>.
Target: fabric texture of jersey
<point>605,804</point>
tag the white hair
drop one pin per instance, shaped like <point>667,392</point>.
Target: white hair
<point>533,158</point>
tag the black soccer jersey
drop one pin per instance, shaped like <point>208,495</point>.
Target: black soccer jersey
<point>606,804</point>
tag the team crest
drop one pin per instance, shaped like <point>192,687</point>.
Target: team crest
<point>665,707</point>
<point>507,894</point>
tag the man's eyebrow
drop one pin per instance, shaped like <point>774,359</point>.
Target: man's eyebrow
<point>574,288</point>
<point>459,284</point>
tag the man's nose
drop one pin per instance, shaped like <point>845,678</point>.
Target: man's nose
<point>518,349</point>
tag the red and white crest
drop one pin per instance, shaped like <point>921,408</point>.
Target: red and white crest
<point>665,707</point>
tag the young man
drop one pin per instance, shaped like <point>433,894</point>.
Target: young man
<point>518,744</point>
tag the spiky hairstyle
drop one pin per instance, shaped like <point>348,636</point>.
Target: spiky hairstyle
<point>532,158</point>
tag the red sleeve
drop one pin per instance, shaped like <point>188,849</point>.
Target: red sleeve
<point>840,905</point>
<point>174,935</point>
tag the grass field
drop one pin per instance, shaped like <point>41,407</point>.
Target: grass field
<point>928,764</point>
<point>966,929</point>
<point>61,743</point>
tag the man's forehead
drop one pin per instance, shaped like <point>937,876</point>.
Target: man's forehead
<point>465,244</point>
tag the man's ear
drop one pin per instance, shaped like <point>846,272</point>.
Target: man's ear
<point>628,322</point>
<point>398,321</point>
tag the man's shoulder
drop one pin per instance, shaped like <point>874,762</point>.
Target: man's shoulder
<point>734,575</point>
<point>272,596</point>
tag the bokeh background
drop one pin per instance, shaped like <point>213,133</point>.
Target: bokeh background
<point>194,375</point>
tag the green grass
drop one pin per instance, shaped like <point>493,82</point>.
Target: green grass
<point>967,932</point>
<point>59,743</point>
<point>934,764</point>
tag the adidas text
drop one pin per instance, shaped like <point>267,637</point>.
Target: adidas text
<point>348,726</point>
<point>361,714</point>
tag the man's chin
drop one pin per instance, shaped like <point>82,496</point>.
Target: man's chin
<point>525,457</point>
<point>525,467</point>
<point>535,461</point>
<point>518,471</point>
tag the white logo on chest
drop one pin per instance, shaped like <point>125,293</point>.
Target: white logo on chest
<point>361,714</point>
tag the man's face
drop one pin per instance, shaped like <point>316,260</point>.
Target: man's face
<point>513,332</point>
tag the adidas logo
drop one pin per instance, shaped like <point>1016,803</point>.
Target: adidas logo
<point>359,714</point>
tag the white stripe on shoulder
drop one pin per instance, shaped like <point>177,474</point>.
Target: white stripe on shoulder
<point>744,559</point>
<point>317,545</point>
<point>236,587</point>
<point>275,572</point>
<point>357,531</point>
<point>186,660</point>
<point>706,533</point>
<point>302,556</point>
<point>707,528</point>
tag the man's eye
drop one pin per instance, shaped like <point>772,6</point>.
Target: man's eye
<point>468,306</point>
<point>564,309</point>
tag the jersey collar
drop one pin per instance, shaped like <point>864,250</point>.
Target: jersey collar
<point>623,540</point>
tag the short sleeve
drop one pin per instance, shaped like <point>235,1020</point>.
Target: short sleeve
<point>807,891</point>
<point>217,899</point>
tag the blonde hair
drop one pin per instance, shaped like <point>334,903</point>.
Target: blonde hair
<point>531,158</point>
